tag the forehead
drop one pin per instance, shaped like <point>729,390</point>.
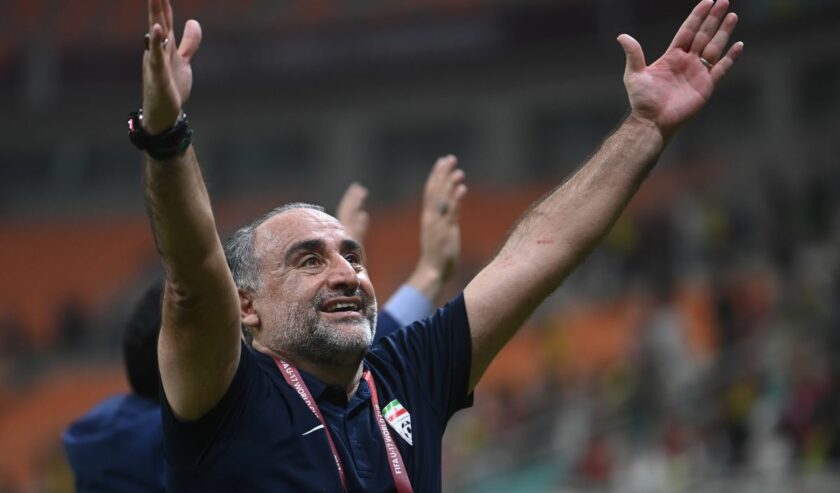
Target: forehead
<point>277,233</point>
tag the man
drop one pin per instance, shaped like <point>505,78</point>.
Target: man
<point>318,408</point>
<point>118,445</point>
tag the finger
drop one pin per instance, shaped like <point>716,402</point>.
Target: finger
<point>685,34</point>
<point>360,226</point>
<point>633,52</point>
<point>445,164</point>
<point>710,26</point>
<point>451,176</point>
<point>191,40</point>
<point>725,64</point>
<point>351,201</point>
<point>351,211</point>
<point>167,17</point>
<point>359,191</point>
<point>454,179</point>
<point>155,13</point>
<point>157,59</point>
<point>713,51</point>
<point>156,38</point>
<point>457,200</point>
<point>437,178</point>
<point>364,222</point>
<point>356,195</point>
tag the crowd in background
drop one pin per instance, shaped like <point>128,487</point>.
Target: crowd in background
<point>722,372</point>
<point>759,397</point>
<point>763,404</point>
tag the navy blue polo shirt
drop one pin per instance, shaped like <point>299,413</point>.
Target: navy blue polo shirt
<point>386,325</point>
<point>261,436</point>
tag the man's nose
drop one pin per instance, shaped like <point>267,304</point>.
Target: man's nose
<point>343,274</point>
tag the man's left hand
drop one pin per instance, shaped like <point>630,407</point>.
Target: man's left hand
<point>673,88</point>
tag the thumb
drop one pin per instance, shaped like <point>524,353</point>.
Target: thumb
<point>190,40</point>
<point>633,52</point>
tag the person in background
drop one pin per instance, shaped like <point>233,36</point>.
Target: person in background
<point>118,445</point>
<point>440,244</point>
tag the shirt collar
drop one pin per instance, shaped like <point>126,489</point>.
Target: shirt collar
<point>334,394</point>
<point>320,391</point>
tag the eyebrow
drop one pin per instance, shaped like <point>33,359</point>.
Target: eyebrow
<point>319,245</point>
<point>304,246</point>
<point>351,246</point>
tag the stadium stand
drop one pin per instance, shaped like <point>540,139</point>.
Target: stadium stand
<point>745,211</point>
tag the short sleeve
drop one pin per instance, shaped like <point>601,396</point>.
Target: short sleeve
<point>438,353</point>
<point>187,442</point>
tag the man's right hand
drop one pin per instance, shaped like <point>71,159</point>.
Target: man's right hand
<point>167,74</point>
<point>198,348</point>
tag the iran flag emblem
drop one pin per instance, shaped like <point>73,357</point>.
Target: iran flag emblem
<point>397,416</point>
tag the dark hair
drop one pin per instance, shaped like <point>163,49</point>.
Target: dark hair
<point>140,343</point>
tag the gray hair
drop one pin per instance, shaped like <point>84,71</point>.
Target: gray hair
<point>241,259</point>
<point>239,248</point>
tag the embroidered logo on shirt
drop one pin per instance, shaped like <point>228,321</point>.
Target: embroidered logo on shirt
<point>397,416</point>
<point>313,429</point>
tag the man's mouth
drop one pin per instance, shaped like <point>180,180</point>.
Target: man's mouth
<point>342,305</point>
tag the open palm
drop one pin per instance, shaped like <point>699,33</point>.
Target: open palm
<point>167,74</point>
<point>673,88</point>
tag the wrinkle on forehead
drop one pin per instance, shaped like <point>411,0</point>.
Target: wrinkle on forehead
<point>280,231</point>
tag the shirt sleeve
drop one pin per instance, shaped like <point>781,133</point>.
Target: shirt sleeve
<point>186,443</point>
<point>437,352</point>
<point>408,305</point>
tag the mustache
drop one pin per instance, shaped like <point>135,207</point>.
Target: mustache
<point>325,297</point>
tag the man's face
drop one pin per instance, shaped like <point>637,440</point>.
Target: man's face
<point>316,300</point>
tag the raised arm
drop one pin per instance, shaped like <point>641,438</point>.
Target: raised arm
<point>440,233</point>
<point>557,232</point>
<point>440,239</point>
<point>352,213</point>
<point>198,349</point>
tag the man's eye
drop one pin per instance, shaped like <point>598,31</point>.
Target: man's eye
<point>311,261</point>
<point>353,258</point>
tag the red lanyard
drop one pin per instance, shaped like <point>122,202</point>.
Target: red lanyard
<point>401,481</point>
<point>394,458</point>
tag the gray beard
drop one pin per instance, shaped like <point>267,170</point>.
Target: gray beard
<point>305,334</point>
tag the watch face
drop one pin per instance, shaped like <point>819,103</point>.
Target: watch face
<point>135,129</point>
<point>165,145</point>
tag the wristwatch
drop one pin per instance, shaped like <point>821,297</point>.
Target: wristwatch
<point>162,146</point>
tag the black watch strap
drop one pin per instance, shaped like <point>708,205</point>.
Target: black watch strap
<point>162,146</point>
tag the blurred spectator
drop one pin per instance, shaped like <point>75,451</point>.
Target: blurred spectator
<point>13,339</point>
<point>72,325</point>
<point>118,445</point>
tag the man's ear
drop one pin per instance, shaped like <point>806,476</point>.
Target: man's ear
<point>246,311</point>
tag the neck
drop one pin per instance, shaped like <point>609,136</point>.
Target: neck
<point>345,376</point>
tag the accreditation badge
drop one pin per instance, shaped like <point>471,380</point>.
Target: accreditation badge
<point>398,418</point>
